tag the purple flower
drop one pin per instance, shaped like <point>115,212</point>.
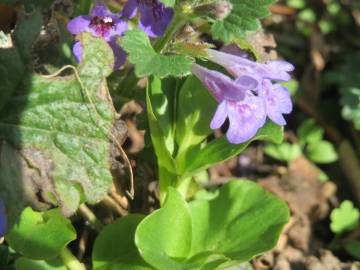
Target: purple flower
<point>238,101</point>
<point>3,218</point>
<point>277,97</point>
<point>278,102</point>
<point>273,70</point>
<point>100,23</point>
<point>250,97</point>
<point>154,16</point>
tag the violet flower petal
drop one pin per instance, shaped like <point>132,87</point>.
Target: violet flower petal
<point>79,24</point>
<point>155,19</point>
<point>130,9</point>
<point>245,118</point>
<point>278,102</point>
<point>101,10</point>
<point>119,54</point>
<point>221,86</point>
<point>119,29</point>
<point>147,21</point>
<point>220,115</point>
<point>238,66</point>
<point>3,219</point>
<point>77,51</point>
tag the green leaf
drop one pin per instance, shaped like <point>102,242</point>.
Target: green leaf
<point>344,218</point>
<point>4,256</point>
<point>208,238</point>
<point>122,254</point>
<point>26,32</point>
<point>162,95</point>
<point>159,104</point>
<point>41,235</point>
<point>193,117</point>
<point>307,15</point>
<point>168,3</point>
<point>27,264</point>
<point>353,248</point>
<point>309,132</point>
<point>242,222</point>
<point>148,62</point>
<point>284,151</point>
<point>60,128</point>
<point>321,152</point>
<point>220,149</point>
<point>164,236</point>
<point>243,17</point>
<point>350,89</point>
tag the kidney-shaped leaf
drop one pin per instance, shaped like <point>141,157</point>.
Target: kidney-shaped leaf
<point>41,235</point>
<point>164,237</point>
<point>24,263</point>
<point>115,246</point>
<point>243,221</point>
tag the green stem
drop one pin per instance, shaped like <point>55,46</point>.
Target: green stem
<point>183,185</point>
<point>175,24</point>
<point>90,217</point>
<point>71,262</point>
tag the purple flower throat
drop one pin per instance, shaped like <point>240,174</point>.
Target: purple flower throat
<point>102,25</point>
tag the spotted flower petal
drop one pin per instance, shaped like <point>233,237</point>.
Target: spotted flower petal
<point>245,118</point>
<point>278,102</point>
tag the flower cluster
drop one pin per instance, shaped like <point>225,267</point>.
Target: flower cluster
<point>249,97</point>
<point>154,18</point>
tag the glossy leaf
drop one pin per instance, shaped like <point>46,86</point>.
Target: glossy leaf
<point>242,222</point>
<point>164,236</point>
<point>115,247</point>
<point>159,101</point>
<point>194,114</point>
<point>321,152</point>
<point>220,149</point>
<point>344,218</point>
<point>284,151</point>
<point>41,235</point>
<point>24,263</point>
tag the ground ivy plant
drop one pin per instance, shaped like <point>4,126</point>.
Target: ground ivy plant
<point>59,131</point>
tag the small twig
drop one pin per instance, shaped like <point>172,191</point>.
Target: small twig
<point>111,203</point>
<point>90,217</point>
<point>83,243</point>
<point>121,200</point>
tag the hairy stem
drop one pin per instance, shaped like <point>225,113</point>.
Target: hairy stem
<point>175,24</point>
